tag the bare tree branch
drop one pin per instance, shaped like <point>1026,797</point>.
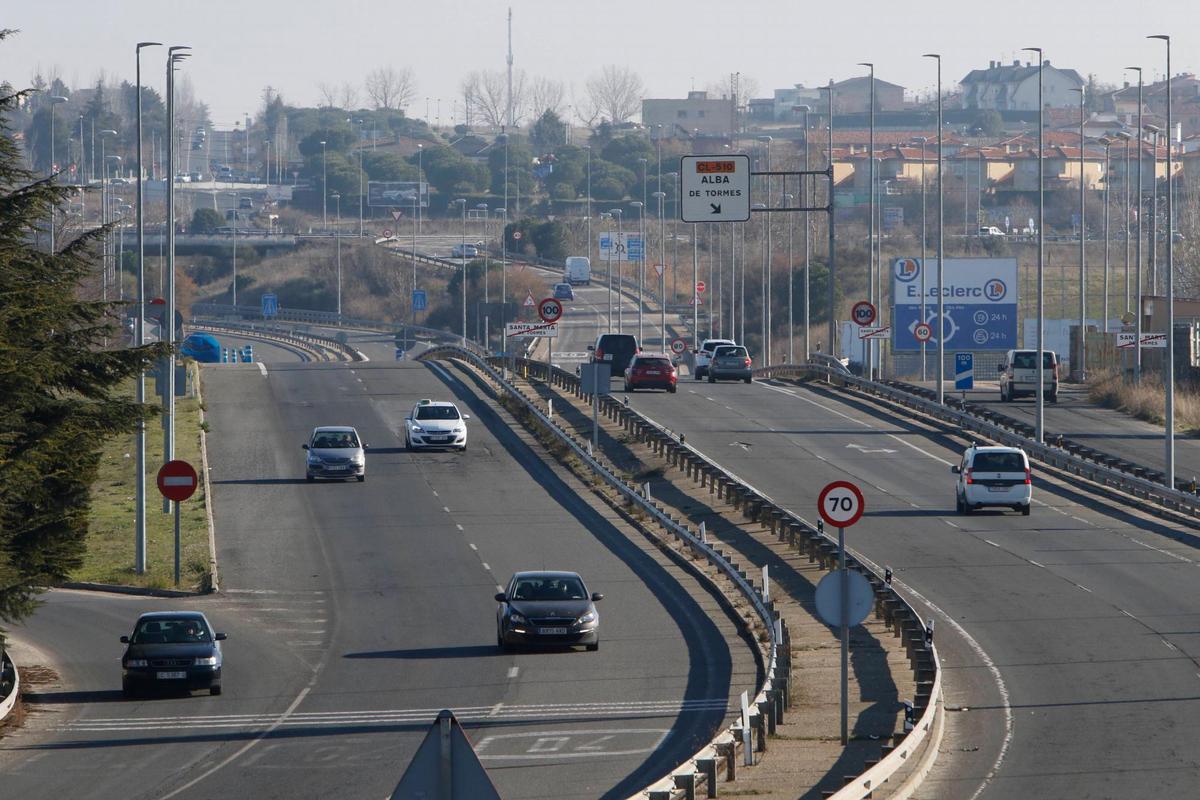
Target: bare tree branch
<point>328,95</point>
<point>617,91</point>
<point>586,109</point>
<point>349,96</point>
<point>391,88</point>
<point>485,93</point>
<point>546,94</point>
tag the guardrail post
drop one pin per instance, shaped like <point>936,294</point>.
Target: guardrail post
<point>728,753</point>
<point>688,784</point>
<point>708,768</point>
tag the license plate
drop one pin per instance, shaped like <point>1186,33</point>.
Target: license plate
<point>551,631</point>
<point>997,488</point>
<point>653,372</point>
<point>438,438</point>
<point>336,468</point>
<point>172,676</point>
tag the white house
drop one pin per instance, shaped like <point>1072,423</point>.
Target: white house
<point>1014,87</point>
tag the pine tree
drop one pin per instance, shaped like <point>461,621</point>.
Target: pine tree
<point>57,385</point>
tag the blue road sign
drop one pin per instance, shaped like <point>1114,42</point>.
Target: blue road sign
<point>270,305</point>
<point>419,300</point>
<point>979,301</point>
<point>964,371</point>
<point>399,353</point>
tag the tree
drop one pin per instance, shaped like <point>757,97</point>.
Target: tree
<point>520,166</point>
<point>58,382</point>
<point>485,93</point>
<point>617,92</point>
<point>206,220</point>
<point>611,181</point>
<point>989,122</point>
<point>546,94</point>
<point>626,150</point>
<point>327,93</point>
<point>451,173</point>
<point>391,88</point>
<point>548,132</point>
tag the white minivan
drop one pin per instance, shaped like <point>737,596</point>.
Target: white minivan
<point>993,476</point>
<point>1018,375</point>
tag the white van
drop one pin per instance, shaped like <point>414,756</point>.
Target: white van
<point>578,270</point>
<point>1018,375</point>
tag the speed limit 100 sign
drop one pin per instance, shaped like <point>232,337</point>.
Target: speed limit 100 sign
<point>863,312</point>
<point>841,504</point>
<point>550,310</point>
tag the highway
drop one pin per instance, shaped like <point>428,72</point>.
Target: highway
<point>356,611</point>
<point>1069,637</point>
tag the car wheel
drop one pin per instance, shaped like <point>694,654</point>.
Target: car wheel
<point>127,689</point>
<point>1025,509</point>
<point>1052,397</point>
<point>671,389</point>
<point>214,690</point>
<point>593,647</point>
<point>462,449</point>
<point>361,478</point>
<point>308,477</point>
<point>748,380</point>
<point>711,379</point>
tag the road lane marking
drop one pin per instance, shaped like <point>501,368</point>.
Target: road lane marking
<point>993,544</point>
<point>512,671</point>
<point>948,522</point>
<point>262,368</point>
<point>921,450</point>
<point>1036,564</point>
<point>485,566</point>
<point>810,401</point>
<point>446,509</point>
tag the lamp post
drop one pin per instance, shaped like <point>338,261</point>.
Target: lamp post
<point>413,301</point>
<point>607,216</point>
<point>791,326</point>
<point>267,161</point>
<point>337,233</point>
<point>616,212</point>
<point>361,176</point>
<point>1137,250</point>
<point>1039,427</point>
<point>324,193</point>
<point>641,208</point>
<point>1169,456</point>
<point>484,208</point>
<point>1152,234</point>
<point>1082,372</point>
<point>503,212</point>
<point>1126,138</point>
<point>806,200</point>
<point>1107,142</point>
<point>104,191</point>
<point>588,148</point>
<point>54,100</point>
<point>139,558</point>
<point>923,140</point>
<point>871,213</point>
<point>174,57</point>
<point>421,178</point>
<point>941,327</point>
<point>462,204</point>
<point>672,180</point>
<point>236,213</point>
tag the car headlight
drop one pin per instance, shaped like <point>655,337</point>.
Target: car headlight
<point>136,662</point>
<point>314,459</point>
<point>206,661</point>
<point>588,617</point>
<point>460,430</point>
<point>418,429</point>
<point>517,619</point>
<point>357,460</point>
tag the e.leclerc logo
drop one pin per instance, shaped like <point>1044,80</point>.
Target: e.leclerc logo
<point>907,269</point>
<point>995,290</point>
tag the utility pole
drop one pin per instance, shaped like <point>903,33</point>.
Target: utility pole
<point>511,121</point>
<point>168,331</point>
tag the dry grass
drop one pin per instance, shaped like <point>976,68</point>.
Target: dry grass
<point>1146,400</point>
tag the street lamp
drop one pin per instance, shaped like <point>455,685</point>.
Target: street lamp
<point>361,176</point>
<point>941,327</point>
<point>1082,369</point>
<point>503,212</point>
<point>604,217</point>
<point>661,197</point>
<point>1137,256</point>
<point>337,199</point>
<point>588,148</point>
<point>420,178</point>
<point>871,212</point>
<point>1039,427</point>
<point>174,57</point>
<point>641,207</point>
<point>616,213</point>
<point>1170,368</point>
<point>1107,142</point>
<point>806,200</point>
<point>324,193</point>
<point>462,203</point>
<point>923,140</point>
<point>54,100</point>
<point>787,199</point>
<point>236,213</point>
<point>267,161</point>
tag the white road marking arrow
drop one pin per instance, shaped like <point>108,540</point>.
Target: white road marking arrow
<point>869,450</point>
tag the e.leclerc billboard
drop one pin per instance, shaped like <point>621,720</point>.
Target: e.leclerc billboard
<point>979,302</point>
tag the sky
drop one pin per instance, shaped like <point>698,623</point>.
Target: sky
<point>674,45</point>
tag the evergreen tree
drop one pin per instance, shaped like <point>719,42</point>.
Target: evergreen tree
<point>57,385</point>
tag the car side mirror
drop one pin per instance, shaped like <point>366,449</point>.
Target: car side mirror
<point>466,416</point>
<point>591,348</point>
<point>124,640</point>
<point>220,637</point>
<point>597,597</point>
<point>954,469</point>
<point>366,446</point>
<point>500,597</point>
<point>304,447</point>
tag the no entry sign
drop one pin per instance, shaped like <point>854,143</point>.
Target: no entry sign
<point>177,480</point>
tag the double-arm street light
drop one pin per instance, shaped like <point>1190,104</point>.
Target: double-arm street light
<point>1169,456</point>
<point>641,208</point>
<point>1040,419</point>
<point>462,204</point>
<point>940,328</point>
<point>324,193</point>
<point>1137,249</point>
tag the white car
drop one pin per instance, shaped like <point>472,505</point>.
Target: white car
<point>704,355</point>
<point>993,476</point>
<point>464,251</point>
<point>435,423</point>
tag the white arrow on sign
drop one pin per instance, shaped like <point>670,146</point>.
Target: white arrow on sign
<point>869,450</point>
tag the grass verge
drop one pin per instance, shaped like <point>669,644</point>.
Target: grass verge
<point>1145,400</point>
<point>110,541</point>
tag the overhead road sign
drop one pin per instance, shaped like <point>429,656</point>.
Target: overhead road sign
<point>863,313</point>
<point>714,188</point>
<point>530,330</point>
<point>550,310</point>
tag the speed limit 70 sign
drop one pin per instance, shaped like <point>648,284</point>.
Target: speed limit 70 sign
<point>841,504</point>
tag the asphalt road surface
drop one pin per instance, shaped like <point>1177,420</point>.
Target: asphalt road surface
<point>356,611</point>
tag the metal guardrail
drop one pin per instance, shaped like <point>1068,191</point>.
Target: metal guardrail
<point>771,695</point>
<point>317,345</point>
<point>1009,432</point>
<point>785,524</point>
<point>10,685</point>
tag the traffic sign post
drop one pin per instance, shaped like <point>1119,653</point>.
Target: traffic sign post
<point>550,310</point>
<point>863,313</point>
<point>923,331</point>
<point>177,481</point>
<point>714,188</point>
<point>964,372</point>
<point>841,504</point>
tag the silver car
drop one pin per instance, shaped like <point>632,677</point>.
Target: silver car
<point>335,451</point>
<point>730,362</point>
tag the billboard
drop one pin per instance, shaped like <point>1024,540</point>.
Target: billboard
<point>396,194</point>
<point>979,297</point>
<point>624,246</point>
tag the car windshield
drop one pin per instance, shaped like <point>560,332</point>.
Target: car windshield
<point>711,346</point>
<point>331,440</point>
<point>171,631</point>
<point>547,588</point>
<point>998,462</point>
<point>437,412</point>
<point>1029,360</point>
<point>617,343</point>
<point>728,350</point>
<point>654,363</point>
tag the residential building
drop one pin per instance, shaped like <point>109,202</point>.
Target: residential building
<point>786,101</point>
<point>1014,87</point>
<point>1060,168</point>
<point>697,114</point>
<point>853,96</point>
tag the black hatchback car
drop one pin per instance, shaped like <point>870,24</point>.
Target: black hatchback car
<point>616,349</point>
<point>172,651</point>
<point>548,609</point>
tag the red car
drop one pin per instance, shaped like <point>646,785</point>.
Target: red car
<point>650,371</point>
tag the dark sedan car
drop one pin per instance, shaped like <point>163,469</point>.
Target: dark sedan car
<point>548,609</point>
<point>172,651</point>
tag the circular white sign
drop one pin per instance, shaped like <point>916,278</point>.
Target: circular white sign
<point>550,310</point>
<point>841,504</point>
<point>828,598</point>
<point>678,346</point>
<point>923,331</point>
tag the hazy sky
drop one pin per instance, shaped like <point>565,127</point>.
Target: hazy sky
<point>240,47</point>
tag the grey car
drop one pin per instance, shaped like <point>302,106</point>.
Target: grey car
<point>335,451</point>
<point>548,609</point>
<point>730,362</point>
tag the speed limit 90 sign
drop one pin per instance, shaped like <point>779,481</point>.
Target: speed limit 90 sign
<point>841,504</point>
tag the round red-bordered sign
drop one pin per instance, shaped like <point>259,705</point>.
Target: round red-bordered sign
<point>701,286</point>
<point>863,313</point>
<point>841,504</point>
<point>678,346</point>
<point>550,310</point>
<point>177,480</point>
<point>923,331</point>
